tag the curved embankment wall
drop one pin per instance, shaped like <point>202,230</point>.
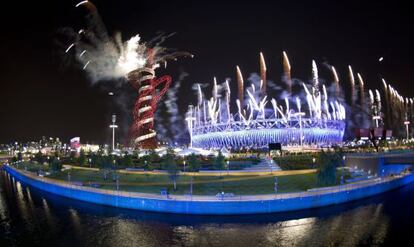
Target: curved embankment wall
<point>209,205</point>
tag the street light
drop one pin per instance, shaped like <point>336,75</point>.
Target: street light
<point>117,182</point>
<point>191,187</point>
<point>276,185</point>
<point>343,167</point>
<point>407,123</point>
<point>228,167</point>
<point>184,165</point>
<point>113,126</point>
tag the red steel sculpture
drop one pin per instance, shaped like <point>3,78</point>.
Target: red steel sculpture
<point>150,90</point>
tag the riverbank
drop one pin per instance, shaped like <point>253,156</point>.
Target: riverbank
<point>211,205</point>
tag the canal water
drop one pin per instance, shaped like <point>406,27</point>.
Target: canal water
<point>29,217</point>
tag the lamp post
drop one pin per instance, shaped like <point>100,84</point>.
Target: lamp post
<point>113,126</point>
<point>407,123</point>
<point>190,118</point>
<point>228,167</point>
<point>343,167</point>
<point>184,165</point>
<point>117,182</point>
<point>376,118</point>
<point>191,187</point>
<point>300,114</point>
<point>276,185</point>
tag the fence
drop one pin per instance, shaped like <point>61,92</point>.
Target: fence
<point>191,204</point>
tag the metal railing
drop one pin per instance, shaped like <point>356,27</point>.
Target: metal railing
<point>276,196</point>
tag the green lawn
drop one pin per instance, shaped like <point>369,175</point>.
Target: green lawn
<point>202,185</point>
<point>3,154</point>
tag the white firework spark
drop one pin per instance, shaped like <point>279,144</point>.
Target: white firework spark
<point>105,57</point>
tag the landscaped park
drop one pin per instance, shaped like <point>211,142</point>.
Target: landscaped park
<point>299,173</point>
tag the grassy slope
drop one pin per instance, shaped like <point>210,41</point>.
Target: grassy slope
<point>205,185</point>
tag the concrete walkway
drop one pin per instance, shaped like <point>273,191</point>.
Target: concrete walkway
<point>311,192</point>
<point>215,205</point>
<point>266,164</point>
<point>276,171</point>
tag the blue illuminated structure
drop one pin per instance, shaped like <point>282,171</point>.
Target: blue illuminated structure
<point>310,119</point>
<point>213,206</point>
<point>259,134</point>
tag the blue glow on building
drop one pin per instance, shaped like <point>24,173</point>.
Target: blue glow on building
<point>260,133</point>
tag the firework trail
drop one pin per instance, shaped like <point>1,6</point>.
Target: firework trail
<point>397,108</point>
<point>317,105</point>
<point>361,84</point>
<point>175,121</point>
<point>228,92</point>
<point>387,101</point>
<point>315,90</point>
<point>104,57</point>
<point>411,107</point>
<point>372,104</point>
<point>379,106</point>
<point>352,81</point>
<point>200,95</point>
<point>336,79</point>
<point>287,75</point>
<point>240,84</point>
<point>315,79</point>
<point>215,88</point>
<point>325,102</point>
<point>263,73</point>
<point>371,97</point>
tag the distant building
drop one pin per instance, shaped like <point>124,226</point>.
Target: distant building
<point>89,148</point>
<point>75,144</point>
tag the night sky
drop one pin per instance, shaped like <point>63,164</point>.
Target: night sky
<point>44,95</point>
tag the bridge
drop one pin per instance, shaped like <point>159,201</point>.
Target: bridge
<point>381,163</point>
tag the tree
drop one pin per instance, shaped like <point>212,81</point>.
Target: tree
<point>57,152</point>
<point>154,157</point>
<point>97,160</point>
<point>39,157</point>
<point>219,162</point>
<point>171,166</point>
<point>146,160</point>
<point>149,159</point>
<point>55,165</point>
<point>83,160</point>
<point>72,157</point>
<point>106,165</point>
<point>328,161</point>
<point>193,162</point>
<point>127,161</point>
<point>19,156</point>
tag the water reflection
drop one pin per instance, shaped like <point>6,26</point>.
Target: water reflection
<point>31,216</point>
<point>48,214</point>
<point>21,202</point>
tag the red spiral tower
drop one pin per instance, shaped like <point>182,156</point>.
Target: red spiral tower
<point>150,90</point>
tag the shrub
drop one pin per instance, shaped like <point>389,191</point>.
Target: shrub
<point>295,162</point>
<point>219,162</point>
<point>328,162</point>
<point>193,162</point>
